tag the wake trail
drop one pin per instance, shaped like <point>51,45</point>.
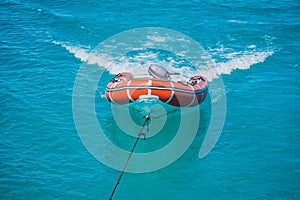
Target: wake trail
<point>241,60</point>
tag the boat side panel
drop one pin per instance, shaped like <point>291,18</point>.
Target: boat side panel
<point>182,98</point>
<point>117,96</point>
<point>173,93</point>
<point>164,91</point>
<point>135,92</point>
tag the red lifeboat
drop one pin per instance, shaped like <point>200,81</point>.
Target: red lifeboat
<point>124,88</point>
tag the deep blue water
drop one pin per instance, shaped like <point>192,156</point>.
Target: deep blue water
<point>43,44</point>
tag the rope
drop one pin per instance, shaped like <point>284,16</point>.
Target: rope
<point>154,117</point>
<point>140,133</point>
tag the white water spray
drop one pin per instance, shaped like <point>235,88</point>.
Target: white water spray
<point>138,63</point>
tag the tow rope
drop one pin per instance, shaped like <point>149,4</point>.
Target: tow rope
<point>140,133</point>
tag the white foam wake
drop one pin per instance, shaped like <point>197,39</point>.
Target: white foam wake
<point>138,63</point>
<point>242,62</point>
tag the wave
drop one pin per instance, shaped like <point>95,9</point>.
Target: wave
<point>242,61</point>
<point>223,60</point>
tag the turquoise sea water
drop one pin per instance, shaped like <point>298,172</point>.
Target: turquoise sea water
<point>255,47</point>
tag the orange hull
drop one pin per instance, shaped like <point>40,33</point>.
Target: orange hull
<point>124,89</point>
